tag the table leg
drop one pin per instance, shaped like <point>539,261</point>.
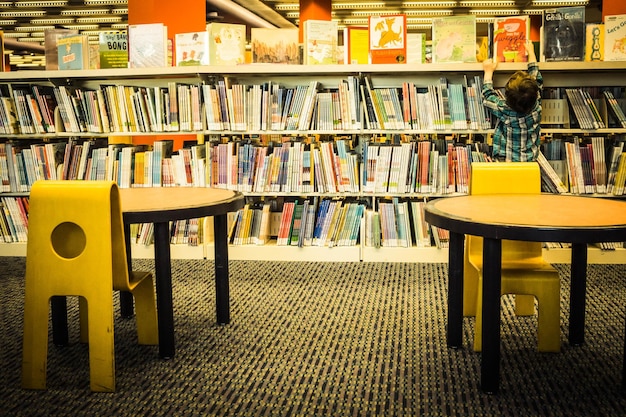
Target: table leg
<point>455,290</point>
<point>126,297</point>
<point>578,294</point>
<point>490,357</point>
<point>163,270</point>
<point>222,296</point>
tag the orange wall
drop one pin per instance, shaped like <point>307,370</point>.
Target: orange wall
<point>611,7</point>
<point>314,10</point>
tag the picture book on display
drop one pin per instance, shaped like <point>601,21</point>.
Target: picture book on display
<point>387,39</point>
<point>564,34</point>
<point>594,42</point>
<point>227,43</point>
<point>275,45</point>
<point>192,48</point>
<point>356,45</point>
<point>113,49</point>
<point>50,46</point>
<point>320,38</point>
<point>147,45</point>
<point>454,39</point>
<point>415,48</point>
<point>73,52</point>
<point>615,37</point>
<point>509,37</point>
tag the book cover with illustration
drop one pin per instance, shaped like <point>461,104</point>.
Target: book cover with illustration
<point>147,45</point>
<point>454,39</point>
<point>227,43</point>
<point>387,39</point>
<point>113,49</point>
<point>415,48</point>
<point>192,48</point>
<point>320,38</point>
<point>356,45</point>
<point>615,37</point>
<point>564,34</point>
<point>275,45</point>
<point>50,46</point>
<point>73,52</point>
<point>509,37</point>
<point>594,42</point>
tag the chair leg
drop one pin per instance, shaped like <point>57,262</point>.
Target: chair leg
<point>35,340</point>
<point>83,315</point>
<point>524,305</point>
<point>101,344</point>
<point>146,314</point>
<point>548,320</point>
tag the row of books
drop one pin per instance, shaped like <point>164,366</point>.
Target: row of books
<point>228,106</point>
<point>436,166</point>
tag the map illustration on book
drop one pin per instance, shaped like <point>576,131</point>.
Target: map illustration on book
<point>454,39</point>
<point>509,36</point>
<point>564,34</point>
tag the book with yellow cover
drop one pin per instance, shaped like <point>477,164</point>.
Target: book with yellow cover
<point>356,45</point>
<point>594,42</point>
<point>227,43</point>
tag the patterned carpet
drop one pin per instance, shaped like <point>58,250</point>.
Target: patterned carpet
<point>324,339</point>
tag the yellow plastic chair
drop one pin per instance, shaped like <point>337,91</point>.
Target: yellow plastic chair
<point>524,272</point>
<point>76,247</point>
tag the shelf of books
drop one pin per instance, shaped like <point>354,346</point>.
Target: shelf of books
<point>335,161</point>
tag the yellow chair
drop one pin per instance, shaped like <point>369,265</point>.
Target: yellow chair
<point>76,248</point>
<point>524,272</point>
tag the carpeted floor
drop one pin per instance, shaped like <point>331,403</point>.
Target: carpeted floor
<point>324,339</point>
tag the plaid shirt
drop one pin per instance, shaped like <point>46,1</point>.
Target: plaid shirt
<point>516,136</point>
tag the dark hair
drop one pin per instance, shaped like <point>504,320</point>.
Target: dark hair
<point>521,92</point>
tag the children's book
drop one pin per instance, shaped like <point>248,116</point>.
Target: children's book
<point>509,37</point>
<point>387,35</point>
<point>50,46</point>
<point>73,52</point>
<point>192,48</point>
<point>147,45</point>
<point>275,45</point>
<point>319,38</point>
<point>615,37</point>
<point>594,42</point>
<point>415,48</point>
<point>227,43</point>
<point>113,49</point>
<point>454,39</point>
<point>356,45</point>
<point>564,34</point>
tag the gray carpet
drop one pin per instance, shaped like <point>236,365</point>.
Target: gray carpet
<point>324,339</point>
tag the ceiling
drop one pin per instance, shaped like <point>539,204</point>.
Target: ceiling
<point>23,22</point>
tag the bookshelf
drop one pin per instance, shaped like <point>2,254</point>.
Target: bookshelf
<point>327,78</point>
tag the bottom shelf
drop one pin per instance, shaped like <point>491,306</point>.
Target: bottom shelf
<point>271,252</point>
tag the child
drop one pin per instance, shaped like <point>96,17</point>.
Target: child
<point>516,136</point>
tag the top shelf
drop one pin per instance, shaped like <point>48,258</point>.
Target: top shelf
<point>298,70</point>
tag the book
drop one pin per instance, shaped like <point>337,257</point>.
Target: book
<point>594,42</point>
<point>50,46</point>
<point>563,34</point>
<point>227,43</point>
<point>387,40</point>
<point>356,45</point>
<point>191,48</point>
<point>113,49</point>
<point>275,45</point>
<point>615,37</point>
<point>509,38</point>
<point>454,39</point>
<point>73,52</point>
<point>415,48</point>
<point>147,45</point>
<point>319,38</point>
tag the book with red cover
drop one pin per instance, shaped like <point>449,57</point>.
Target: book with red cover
<point>509,36</point>
<point>387,39</point>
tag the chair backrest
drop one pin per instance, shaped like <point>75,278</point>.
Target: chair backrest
<point>76,227</point>
<point>506,178</point>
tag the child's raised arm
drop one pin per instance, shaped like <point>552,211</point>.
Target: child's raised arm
<point>530,50</point>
